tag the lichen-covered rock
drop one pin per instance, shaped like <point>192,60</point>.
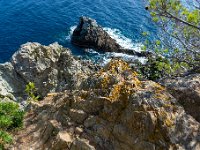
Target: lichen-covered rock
<point>112,110</point>
<point>187,91</point>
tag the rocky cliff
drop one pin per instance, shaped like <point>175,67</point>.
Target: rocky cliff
<point>112,110</point>
<point>87,107</point>
<point>187,91</point>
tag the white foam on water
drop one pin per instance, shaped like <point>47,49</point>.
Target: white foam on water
<point>104,60</point>
<point>92,51</point>
<point>126,43</point>
<point>107,57</point>
<point>122,40</point>
<point>128,58</point>
<point>72,28</point>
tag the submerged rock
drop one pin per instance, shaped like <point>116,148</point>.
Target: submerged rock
<point>112,110</point>
<point>88,34</point>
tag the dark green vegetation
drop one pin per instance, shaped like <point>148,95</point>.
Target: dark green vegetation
<point>180,41</point>
<point>11,118</point>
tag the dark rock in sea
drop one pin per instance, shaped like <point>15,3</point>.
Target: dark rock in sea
<point>89,34</point>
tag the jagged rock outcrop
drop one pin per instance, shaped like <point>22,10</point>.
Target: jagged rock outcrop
<point>88,34</point>
<point>52,68</point>
<point>112,110</point>
<point>187,91</point>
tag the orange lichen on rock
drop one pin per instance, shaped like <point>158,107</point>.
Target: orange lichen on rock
<point>105,81</point>
<point>116,66</point>
<point>112,105</point>
<point>118,78</point>
<point>160,92</point>
<point>167,120</point>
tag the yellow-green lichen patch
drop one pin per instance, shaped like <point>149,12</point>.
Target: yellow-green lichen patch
<point>166,118</point>
<point>116,66</point>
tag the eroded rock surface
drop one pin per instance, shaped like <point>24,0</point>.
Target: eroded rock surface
<point>52,68</point>
<point>112,110</point>
<point>187,91</point>
<point>10,83</point>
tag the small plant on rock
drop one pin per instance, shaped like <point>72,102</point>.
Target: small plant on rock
<point>31,91</point>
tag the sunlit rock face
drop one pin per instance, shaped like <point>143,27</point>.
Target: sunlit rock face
<point>11,85</point>
<point>112,109</point>
<point>51,68</point>
<point>187,91</point>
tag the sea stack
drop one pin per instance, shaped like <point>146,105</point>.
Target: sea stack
<point>89,34</point>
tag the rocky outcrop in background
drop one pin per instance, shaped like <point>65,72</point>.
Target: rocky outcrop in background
<point>89,34</point>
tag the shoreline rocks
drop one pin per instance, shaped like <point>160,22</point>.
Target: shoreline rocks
<point>86,107</point>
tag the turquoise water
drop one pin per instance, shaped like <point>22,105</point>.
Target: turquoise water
<point>47,21</point>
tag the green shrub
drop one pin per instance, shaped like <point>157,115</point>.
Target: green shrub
<point>156,68</point>
<point>5,138</point>
<point>11,117</point>
<point>180,33</point>
<point>31,91</point>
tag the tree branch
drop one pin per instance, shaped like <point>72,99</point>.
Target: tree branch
<point>182,21</point>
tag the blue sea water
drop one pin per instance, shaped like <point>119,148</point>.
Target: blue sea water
<point>47,21</point>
